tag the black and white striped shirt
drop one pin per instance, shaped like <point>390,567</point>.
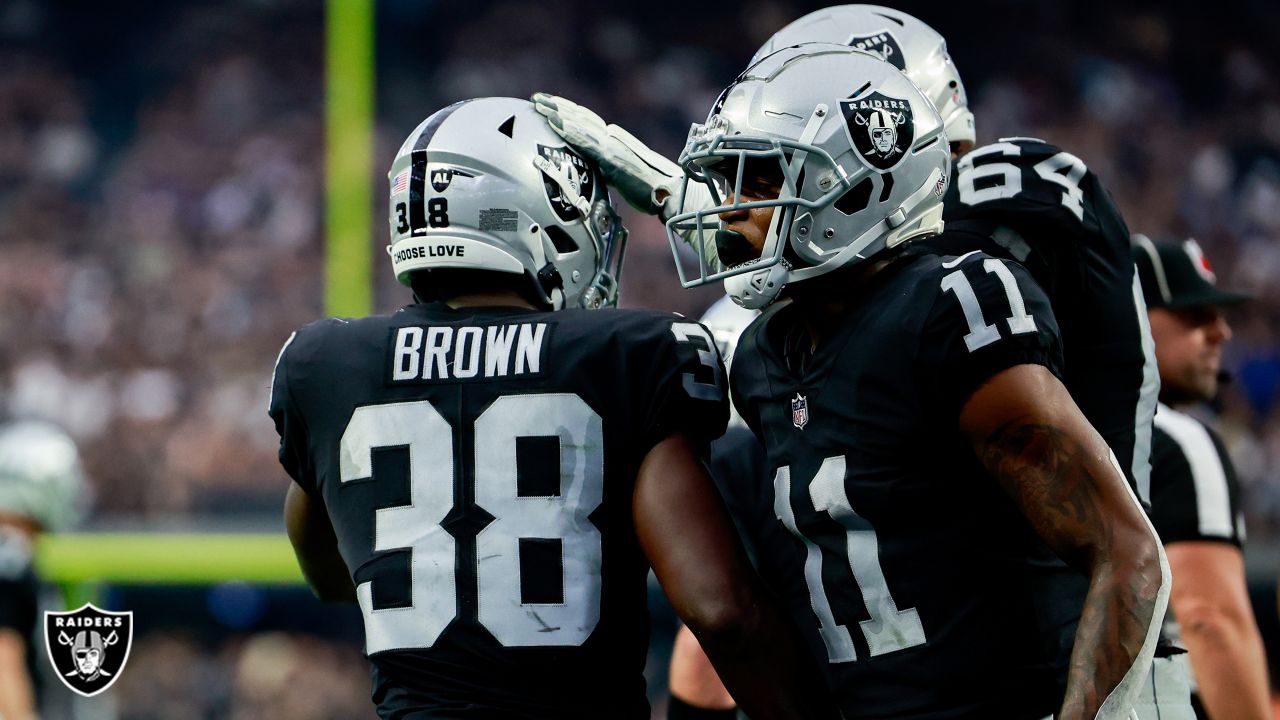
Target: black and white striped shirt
<point>1194,491</point>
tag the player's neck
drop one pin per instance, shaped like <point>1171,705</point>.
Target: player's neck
<point>492,298</point>
<point>824,304</point>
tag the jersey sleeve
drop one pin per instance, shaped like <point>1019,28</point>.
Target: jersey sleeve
<point>289,423</point>
<point>690,389</point>
<point>1194,490</point>
<point>988,315</point>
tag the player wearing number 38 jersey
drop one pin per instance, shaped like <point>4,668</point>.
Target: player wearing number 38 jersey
<point>491,471</point>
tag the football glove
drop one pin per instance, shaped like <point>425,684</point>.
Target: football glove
<point>647,181</point>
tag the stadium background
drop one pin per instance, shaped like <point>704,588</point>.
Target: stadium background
<point>162,225</point>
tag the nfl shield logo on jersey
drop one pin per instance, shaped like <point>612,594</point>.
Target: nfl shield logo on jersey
<point>880,128</point>
<point>799,411</point>
<point>88,647</point>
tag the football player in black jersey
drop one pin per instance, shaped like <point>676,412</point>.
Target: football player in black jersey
<point>922,575</point>
<point>1195,496</point>
<point>40,485</point>
<point>491,480</point>
<point>1020,199</point>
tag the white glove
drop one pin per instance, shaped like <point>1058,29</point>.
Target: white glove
<point>647,181</point>
<point>644,178</point>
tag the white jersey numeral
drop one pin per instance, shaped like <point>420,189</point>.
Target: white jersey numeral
<point>1009,176</point>
<point>426,434</point>
<point>562,517</point>
<point>1072,195</point>
<point>980,333</point>
<point>685,332</point>
<point>888,628</point>
<point>578,428</point>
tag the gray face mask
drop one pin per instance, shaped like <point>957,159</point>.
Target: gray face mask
<point>858,175</point>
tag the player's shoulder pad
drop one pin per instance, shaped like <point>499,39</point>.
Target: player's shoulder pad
<point>625,324</point>
<point>1031,146</point>
<point>310,340</point>
<point>635,333</point>
<point>930,265</point>
<point>994,283</point>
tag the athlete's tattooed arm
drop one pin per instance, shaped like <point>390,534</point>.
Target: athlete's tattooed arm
<point>1029,434</point>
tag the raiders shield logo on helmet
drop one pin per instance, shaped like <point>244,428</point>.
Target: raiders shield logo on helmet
<point>579,176</point>
<point>88,647</point>
<point>883,44</point>
<point>881,129</point>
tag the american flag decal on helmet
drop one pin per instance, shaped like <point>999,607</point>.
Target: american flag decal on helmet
<point>401,182</point>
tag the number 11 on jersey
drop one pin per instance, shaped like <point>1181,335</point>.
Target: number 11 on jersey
<point>887,629</point>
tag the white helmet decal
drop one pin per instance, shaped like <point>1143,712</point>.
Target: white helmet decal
<point>881,43</point>
<point>580,180</point>
<point>880,128</point>
<point>896,37</point>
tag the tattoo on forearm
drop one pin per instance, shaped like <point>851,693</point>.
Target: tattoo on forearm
<point>1057,484</point>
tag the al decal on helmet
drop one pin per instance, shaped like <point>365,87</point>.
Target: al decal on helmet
<point>881,129</point>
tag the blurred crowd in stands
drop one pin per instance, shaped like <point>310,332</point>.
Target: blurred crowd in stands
<point>161,188</point>
<point>161,219</point>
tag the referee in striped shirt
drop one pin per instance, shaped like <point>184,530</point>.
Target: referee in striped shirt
<point>1195,496</point>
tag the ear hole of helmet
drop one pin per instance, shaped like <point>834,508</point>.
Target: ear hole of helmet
<point>925,146</point>
<point>856,198</point>
<point>888,187</point>
<point>563,243</point>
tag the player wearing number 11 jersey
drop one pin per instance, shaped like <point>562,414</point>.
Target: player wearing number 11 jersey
<point>928,465</point>
<point>490,472</point>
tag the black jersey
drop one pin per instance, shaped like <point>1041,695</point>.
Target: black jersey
<point>1026,200</point>
<point>19,594</point>
<point>910,570</point>
<point>478,466</point>
<point>1194,491</point>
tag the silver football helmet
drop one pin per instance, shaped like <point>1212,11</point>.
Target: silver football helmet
<point>906,42</point>
<point>40,474</point>
<point>863,158</point>
<point>484,184</point>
